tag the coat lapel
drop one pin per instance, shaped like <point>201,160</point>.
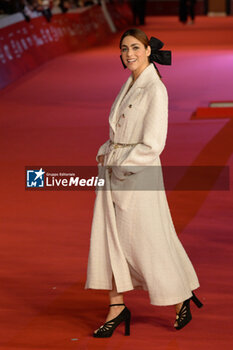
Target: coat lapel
<point>113,113</point>
<point>123,101</point>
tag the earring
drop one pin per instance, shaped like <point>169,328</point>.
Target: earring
<point>123,62</point>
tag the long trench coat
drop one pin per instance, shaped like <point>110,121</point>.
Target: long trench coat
<point>132,236</point>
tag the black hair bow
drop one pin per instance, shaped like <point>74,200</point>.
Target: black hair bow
<point>158,55</point>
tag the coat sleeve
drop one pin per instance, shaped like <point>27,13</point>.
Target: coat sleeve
<point>154,132</point>
<point>104,148</point>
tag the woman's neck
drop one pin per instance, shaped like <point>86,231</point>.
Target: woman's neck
<point>136,73</point>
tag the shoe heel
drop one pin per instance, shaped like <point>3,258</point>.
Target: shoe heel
<point>196,300</point>
<point>127,326</point>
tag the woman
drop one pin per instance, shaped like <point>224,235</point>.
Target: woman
<point>133,240</point>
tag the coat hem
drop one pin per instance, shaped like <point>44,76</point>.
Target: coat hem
<point>153,301</point>
<point>119,290</point>
<point>173,300</point>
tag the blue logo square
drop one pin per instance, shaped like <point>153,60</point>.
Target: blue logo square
<point>35,178</point>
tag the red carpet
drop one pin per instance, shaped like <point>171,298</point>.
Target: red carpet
<point>58,115</point>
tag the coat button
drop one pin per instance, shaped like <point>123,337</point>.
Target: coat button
<point>123,115</point>
<point>130,106</point>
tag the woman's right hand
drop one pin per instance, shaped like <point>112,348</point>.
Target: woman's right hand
<point>101,159</point>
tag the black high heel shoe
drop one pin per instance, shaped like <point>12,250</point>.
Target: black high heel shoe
<point>184,316</point>
<point>108,328</point>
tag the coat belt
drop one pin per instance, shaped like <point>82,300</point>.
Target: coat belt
<point>116,145</point>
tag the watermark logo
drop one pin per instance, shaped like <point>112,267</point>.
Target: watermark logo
<point>35,178</point>
<point>127,178</point>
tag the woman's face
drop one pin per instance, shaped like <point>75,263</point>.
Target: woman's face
<point>134,54</point>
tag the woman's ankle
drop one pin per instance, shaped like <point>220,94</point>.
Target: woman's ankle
<point>116,301</point>
<point>178,307</point>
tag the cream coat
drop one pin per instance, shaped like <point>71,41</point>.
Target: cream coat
<point>133,237</point>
